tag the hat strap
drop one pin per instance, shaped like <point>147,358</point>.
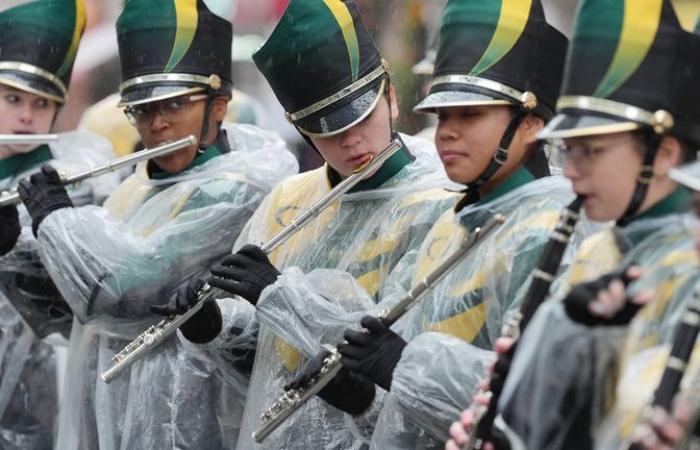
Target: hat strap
<point>646,174</point>
<point>499,159</point>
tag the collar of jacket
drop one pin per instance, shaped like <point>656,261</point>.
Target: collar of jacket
<point>17,164</point>
<point>677,202</point>
<point>391,167</point>
<point>520,177</point>
<point>218,148</point>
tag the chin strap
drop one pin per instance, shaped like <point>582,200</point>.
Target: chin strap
<point>663,122</point>
<point>213,91</point>
<point>528,103</point>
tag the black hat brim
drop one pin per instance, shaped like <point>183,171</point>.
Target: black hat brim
<point>33,84</point>
<point>572,125</point>
<point>343,114</point>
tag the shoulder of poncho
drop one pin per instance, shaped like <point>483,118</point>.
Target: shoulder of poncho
<point>250,138</point>
<point>673,244</point>
<point>82,148</point>
<point>440,197</point>
<point>301,184</point>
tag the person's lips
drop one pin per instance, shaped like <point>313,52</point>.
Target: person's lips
<point>448,156</point>
<point>358,160</point>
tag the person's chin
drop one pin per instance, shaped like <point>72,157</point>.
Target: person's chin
<point>459,174</point>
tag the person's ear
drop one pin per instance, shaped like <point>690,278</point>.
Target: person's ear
<point>530,128</point>
<point>394,103</point>
<point>219,109</point>
<point>669,155</point>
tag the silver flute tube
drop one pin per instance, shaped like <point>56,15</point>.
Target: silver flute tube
<point>28,139</point>
<point>156,334</point>
<point>293,399</point>
<point>12,197</point>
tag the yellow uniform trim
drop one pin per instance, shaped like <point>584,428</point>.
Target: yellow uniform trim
<point>465,326</point>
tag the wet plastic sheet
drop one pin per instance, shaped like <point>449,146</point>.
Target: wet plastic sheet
<point>345,258</point>
<point>112,263</point>
<point>565,376</point>
<point>31,308</point>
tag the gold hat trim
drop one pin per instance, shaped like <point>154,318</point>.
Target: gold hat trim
<point>350,89</point>
<point>661,121</point>
<point>212,80</point>
<point>372,107</point>
<point>470,80</point>
<point>34,70</point>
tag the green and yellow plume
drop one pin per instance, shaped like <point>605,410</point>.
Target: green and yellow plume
<point>79,27</point>
<point>342,15</point>
<point>639,27</point>
<point>511,24</point>
<point>187,19</point>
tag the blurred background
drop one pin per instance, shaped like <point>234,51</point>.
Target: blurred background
<point>405,31</point>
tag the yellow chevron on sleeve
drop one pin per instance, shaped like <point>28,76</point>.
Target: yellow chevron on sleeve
<point>370,281</point>
<point>465,326</point>
<point>544,220</point>
<point>596,255</point>
<point>288,355</point>
<point>426,195</point>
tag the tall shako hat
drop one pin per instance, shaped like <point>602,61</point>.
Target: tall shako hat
<point>323,66</point>
<point>170,48</point>
<point>38,44</point>
<point>492,53</point>
<point>496,53</point>
<point>630,66</point>
<point>689,174</point>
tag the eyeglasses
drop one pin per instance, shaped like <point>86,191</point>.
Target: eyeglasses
<point>581,155</point>
<point>171,110</point>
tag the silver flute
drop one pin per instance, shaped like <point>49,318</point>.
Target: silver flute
<point>12,197</point>
<point>293,399</point>
<point>156,334</point>
<point>29,139</point>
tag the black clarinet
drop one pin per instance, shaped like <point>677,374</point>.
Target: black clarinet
<point>538,291</point>
<point>681,350</point>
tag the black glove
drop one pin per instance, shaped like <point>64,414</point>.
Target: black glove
<point>577,301</point>
<point>349,392</point>
<point>374,354</point>
<point>10,228</point>
<point>205,325</point>
<point>43,194</point>
<point>245,273</point>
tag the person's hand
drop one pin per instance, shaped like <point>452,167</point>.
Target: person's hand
<point>349,392</point>
<point>43,194</point>
<point>665,431</point>
<point>459,430</point>
<point>498,370</point>
<point>10,229</point>
<point>604,301</point>
<point>245,273</point>
<point>202,327</point>
<point>373,352</point>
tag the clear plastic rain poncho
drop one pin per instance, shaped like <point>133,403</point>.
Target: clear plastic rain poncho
<point>563,380</point>
<point>347,256</point>
<point>111,263</point>
<point>451,332</point>
<point>30,306</point>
